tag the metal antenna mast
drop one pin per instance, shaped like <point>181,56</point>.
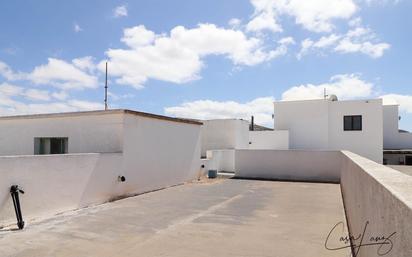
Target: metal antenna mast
<point>105,92</point>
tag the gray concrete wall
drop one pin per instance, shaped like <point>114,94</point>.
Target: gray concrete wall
<point>381,198</point>
<point>301,165</point>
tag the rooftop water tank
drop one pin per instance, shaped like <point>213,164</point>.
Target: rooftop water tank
<point>333,98</point>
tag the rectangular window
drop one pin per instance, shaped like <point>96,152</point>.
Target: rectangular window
<point>352,122</point>
<point>50,145</point>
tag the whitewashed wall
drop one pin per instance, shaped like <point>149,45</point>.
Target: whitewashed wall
<point>300,165</point>
<point>86,133</point>
<point>224,134</point>
<point>369,141</point>
<point>274,140</point>
<point>390,126</point>
<point>221,160</point>
<point>382,197</point>
<point>159,153</point>
<point>392,139</point>
<point>318,124</point>
<point>306,121</point>
<point>57,183</point>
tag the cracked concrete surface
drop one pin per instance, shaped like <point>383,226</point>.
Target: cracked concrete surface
<point>222,218</point>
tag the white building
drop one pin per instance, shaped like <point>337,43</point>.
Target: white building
<point>70,160</point>
<point>365,127</point>
<point>231,134</point>
<point>224,134</point>
<point>397,143</point>
<point>333,125</point>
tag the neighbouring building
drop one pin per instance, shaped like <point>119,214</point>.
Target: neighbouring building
<point>231,134</point>
<point>397,143</point>
<point>366,127</point>
<point>224,134</point>
<point>70,160</point>
<point>330,124</point>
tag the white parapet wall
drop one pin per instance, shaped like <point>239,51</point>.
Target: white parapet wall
<point>57,183</point>
<point>379,198</point>
<point>224,134</point>
<point>159,153</point>
<point>221,160</point>
<point>299,165</point>
<point>270,140</point>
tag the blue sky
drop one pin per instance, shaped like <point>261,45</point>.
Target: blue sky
<point>203,59</point>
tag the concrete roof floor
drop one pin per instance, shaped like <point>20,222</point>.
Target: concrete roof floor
<point>402,168</point>
<point>223,217</point>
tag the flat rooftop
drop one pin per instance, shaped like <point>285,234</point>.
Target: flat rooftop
<point>222,217</point>
<point>402,168</point>
<point>100,112</point>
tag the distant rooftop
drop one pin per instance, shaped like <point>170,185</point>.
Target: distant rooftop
<point>100,112</point>
<point>259,128</point>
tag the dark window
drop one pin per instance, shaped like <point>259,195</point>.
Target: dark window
<point>408,160</point>
<point>352,122</point>
<point>50,145</point>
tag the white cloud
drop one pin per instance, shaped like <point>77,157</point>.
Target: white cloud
<point>382,2</point>
<point>62,95</point>
<point>368,48</point>
<point>260,108</point>
<point>355,22</point>
<point>357,40</point>
<point>323,42</point>
<point>85,63</point>
<point>120,11</point>
<point>234,23</point>
<point>178,57</point>
<point>264,19</point>
<point>84,105</point>
<point>404,101</point>
<point>18,108</point>
<point>58,73</point>
<point>37,95</point>
<point>63,75</point>
<point>345,86</point>
<point>8,73</point>
<point>313,15</point>
<point>138,36</point>
<point>9,90</point>
<point>11,104</point>
<point>77,28</point>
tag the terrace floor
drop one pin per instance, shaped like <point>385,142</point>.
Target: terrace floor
<point>403,168</point>
<point>222,217</point>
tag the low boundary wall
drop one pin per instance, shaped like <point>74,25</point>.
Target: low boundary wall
<point>221,160</point>
<point>378,203</point>
<point>269,139</point>
<point>316,166</point>
<point>57,183</point>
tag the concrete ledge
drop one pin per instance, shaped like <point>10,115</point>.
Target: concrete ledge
<point>291,165</point>
<point>378,202</point>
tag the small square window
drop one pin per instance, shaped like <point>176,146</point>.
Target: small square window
<point>352,123</point>
<point>50,145</point>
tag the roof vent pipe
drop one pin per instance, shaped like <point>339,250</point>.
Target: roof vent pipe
<point>252,123</point>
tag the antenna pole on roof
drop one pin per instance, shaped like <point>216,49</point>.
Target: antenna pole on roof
<point>105,92</point>
<point>324,94</point>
